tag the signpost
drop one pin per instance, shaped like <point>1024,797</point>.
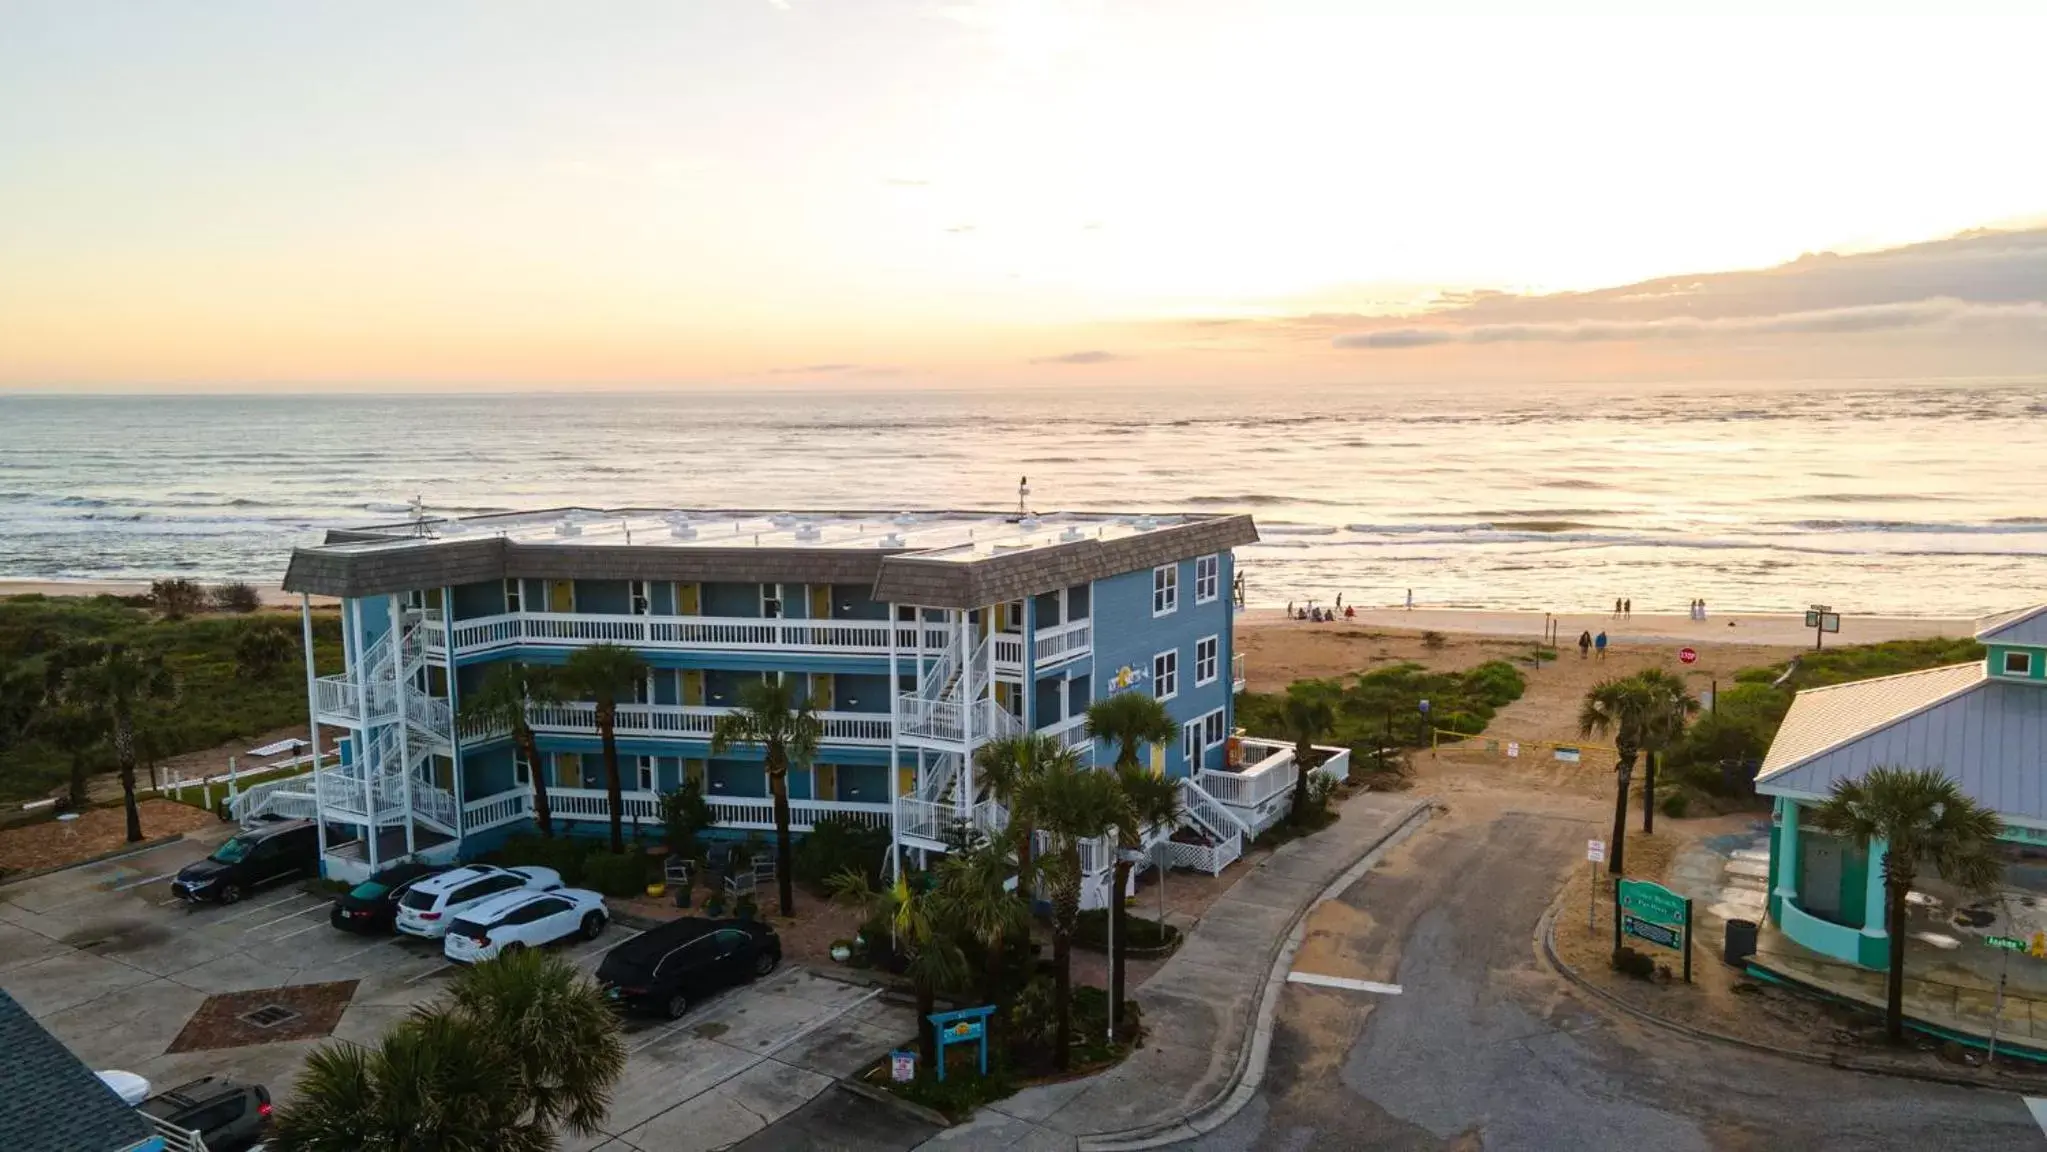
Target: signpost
<point>902,1066</point>
<point>965,1026</point>
<point>1595,852</point>
<point>1822,619</point>
<point>1688,656</point>
<point>2006,945</point>
<point>1650,912</point>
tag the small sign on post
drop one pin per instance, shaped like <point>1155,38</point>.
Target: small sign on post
<point>1595,853</point>
<point>902,1066</point>
<point>1688,655</point>
<point>1822,619</point>
<point>1513,749</point>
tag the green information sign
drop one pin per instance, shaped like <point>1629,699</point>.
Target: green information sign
<point>2008,943</point>
<point>1652,901</point>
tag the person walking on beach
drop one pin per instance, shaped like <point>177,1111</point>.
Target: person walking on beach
<point>1289,609</point>
<point>1339,601</point>
<point>1628,609</point>
<point>1410,599</point>
<point>1585,644</point>
<point>1599,642</point>
<point>1616,607</point>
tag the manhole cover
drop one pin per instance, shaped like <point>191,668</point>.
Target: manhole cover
<point>269,1016</point>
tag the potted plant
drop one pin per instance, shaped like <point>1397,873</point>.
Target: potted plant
<point>747,908</point>
<point>715,906</point>
<point>842,950</point>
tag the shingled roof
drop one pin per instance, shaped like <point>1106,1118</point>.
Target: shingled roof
<point>50,1101</point>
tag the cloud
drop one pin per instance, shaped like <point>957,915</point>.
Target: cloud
<point>959,228</point>
<point>1094,356</point>
<point>906,182</point>
<point>1936,312</point>
<point>836,370</point>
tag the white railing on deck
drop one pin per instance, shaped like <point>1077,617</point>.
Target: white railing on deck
<point>758,812</point>
<point>493,811</point>
<point>1007,651</point>
<point>931,719</point>
<point>1063,642</point>
<point>291,797</point>
<point>1269,776</point>
<point>924,819</point>
<point>430,713</point>
<point>1208,811</point>
<point>1335,766</point>
<point>1209,858</point>
<point>1237,673</point>
<point>595,804</point>
<point>714,632</point>
<point>695,721</point>
<point>1071,732</point>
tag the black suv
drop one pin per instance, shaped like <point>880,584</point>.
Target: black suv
<point>228,1115</point>
<point>256,856</point>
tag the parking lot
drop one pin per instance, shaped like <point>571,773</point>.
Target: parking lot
<point>112,964</point>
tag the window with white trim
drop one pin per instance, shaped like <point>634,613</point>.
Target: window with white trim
<point>1190,744</point>
<point>1212,728</point>
<point>1165,675</point>
<point>1165,589</point>
<point>642,598</point>
<point>2018,663</point>
<point>771,601</point>
<point>1207,658</point>
<point>522,769</point>
<point>515,597</point>
<point>646,773</point>
<point>1208,578</point>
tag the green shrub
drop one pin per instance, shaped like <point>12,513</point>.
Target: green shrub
<point>836,844</point>
<point>1466,700</point>
<point>1676,804</point>
<point>234,597</point>
<point>621,875</point>
<point>1092,931</point>
<point>684,813</point>
<point>1433,640</point>
<point>1629,962</point>
<point>177,599</point>
<point>565,854</point>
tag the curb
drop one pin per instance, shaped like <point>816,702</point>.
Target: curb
<point>1249,1074</point>
<point>115,854</point>
<point>910,1108</point>
<point>1546,930</point>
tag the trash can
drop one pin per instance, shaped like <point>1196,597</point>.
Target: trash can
<point>1741,942</point>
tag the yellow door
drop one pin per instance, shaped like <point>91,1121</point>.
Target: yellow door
<point>1158,759</point>
<point>824,782</point>
<point>820,601</point>
<point>561,595</point>
<point>906,780</point>
<point>693,771</point>
<point>568,770</point>
<point>433,598</point>
<point>821,698</point>
<point>692,686</point>
<point>688,600</point>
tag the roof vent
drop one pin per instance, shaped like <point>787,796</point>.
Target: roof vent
<point>809,533</point>
<point>1071,534</point>
<point>1145,524</point>
<point>906,518</point>
<point>568,528</point>
<point>892,540</point>
<point>782,520</point>
<point>1028,523</point>
<point>682,530</point>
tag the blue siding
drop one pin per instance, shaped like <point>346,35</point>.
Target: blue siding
<point>861,693</point>
<point>667,686</point>
<point>486,598</point>
<point>852,602</point>
<point>488,772</point>
<point>1127,634</point>
<point>863,783</point>
<point>727,599</point>
<point>603,597</point>
<point>736,778</point>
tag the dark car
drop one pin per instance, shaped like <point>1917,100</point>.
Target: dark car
<point>666,969</point>
<point>253,857</point>
<point>228,1115</point>
<point>371,905</point>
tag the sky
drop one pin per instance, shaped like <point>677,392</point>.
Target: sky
<point>460,194</point>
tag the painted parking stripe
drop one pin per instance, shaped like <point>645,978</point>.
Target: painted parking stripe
<point>1321,981</point>
<point>298,931</point>
<point>145,880</point>
<point>320,907</point>
<point>603,946</point>
<point>2037,1105</point>
<point>260,907</point>
<point>367,948</point>
<point>444,969</point>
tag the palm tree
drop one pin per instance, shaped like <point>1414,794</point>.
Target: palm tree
<point>1621,706</point>
<point>78,728</point>
<point>525,1050</point>
<point>119,680</point>
<point>1130,720</point>
<point>974,892</point>
<point>788,732</point>
<point>504,703</point>
<point>1073,804</point>
<point>1674,706</point>
<point>1143,802</point>
<point>434,1081</point>
<point>918,924</point>
<point>1306,714</point>
<point>1923,818</point>
<point>559,1029</point>
<point>1008,765</point>
<point>603,673</point>
<point>262,648</point>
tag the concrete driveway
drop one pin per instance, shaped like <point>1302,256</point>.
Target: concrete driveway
<point>115,966</point>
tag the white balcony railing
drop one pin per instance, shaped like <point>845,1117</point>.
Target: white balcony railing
<point>924,819</point>
<point>1006,651</point>
<point>695,722</point>
<point>945,720</point>
<point>1270,774</point>
<point>758,812</point>
<point>1237,673</point>
<point>555,629</point>
<point>493,811</point>
<point>1062,642</point>
<point>1071,732</point>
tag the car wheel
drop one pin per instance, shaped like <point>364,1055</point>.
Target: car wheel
<point>765,963</point>
<point>677,1005</point>
<point>593,925</point>
<point>231,894</point>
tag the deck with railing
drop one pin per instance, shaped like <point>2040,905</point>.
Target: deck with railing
<point>704,633</point>
<point>692,722</point>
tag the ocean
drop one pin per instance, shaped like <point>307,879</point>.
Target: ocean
<point>1891,498</point>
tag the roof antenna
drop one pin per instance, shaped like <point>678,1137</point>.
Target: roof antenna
<point>1023,495</point>
<point>420,527</point>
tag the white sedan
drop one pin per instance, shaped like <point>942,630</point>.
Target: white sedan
<point>524,920</point>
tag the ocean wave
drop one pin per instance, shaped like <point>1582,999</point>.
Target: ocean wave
<point>2015,525</point>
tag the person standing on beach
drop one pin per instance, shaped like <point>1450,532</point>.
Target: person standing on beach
<point>1599,642</point>
<point>1616,607</point>
<point>1339,601</point>
<point>1585,644</point>
<point>1289,609</point>
<point>1628,609</point>
<point>1410,599</point>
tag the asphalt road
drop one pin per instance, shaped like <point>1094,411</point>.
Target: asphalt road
<point>1484,1050</point>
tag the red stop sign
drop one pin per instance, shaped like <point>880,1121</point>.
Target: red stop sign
<point>1687,655</point>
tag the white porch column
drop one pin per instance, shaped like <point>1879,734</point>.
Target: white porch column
<point>357,673</point>
<point>964,804</point>
<point>1787,848</point>
<point>398,687</point>
<point>313,721</point>
<point>895,693</point>
<point>1873,901</point>
<point>454,706</point>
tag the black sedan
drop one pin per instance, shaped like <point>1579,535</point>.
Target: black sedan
<point>371,905</point>
<point>667,969</point>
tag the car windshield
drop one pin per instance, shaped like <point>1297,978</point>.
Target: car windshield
<point>232,852</point>
<point>368,890</point>
<point>418,901</point>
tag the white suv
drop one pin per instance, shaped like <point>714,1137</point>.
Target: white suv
<point>518,920</point>
<point>430,905</point>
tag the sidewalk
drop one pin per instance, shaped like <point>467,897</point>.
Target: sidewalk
<point>1200,1008</point>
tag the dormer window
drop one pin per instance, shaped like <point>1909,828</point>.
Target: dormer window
<point>2018,663</point>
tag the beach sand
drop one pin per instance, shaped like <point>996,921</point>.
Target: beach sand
<point>1776,629</point>
<point>272,596</point>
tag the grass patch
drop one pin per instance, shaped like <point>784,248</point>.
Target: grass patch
<point>1370,704</point>
<point>216,700</point>
<point>1092,932</point>
<point>1865,662</point>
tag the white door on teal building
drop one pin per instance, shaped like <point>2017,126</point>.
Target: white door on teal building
<point>1819,881</point>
